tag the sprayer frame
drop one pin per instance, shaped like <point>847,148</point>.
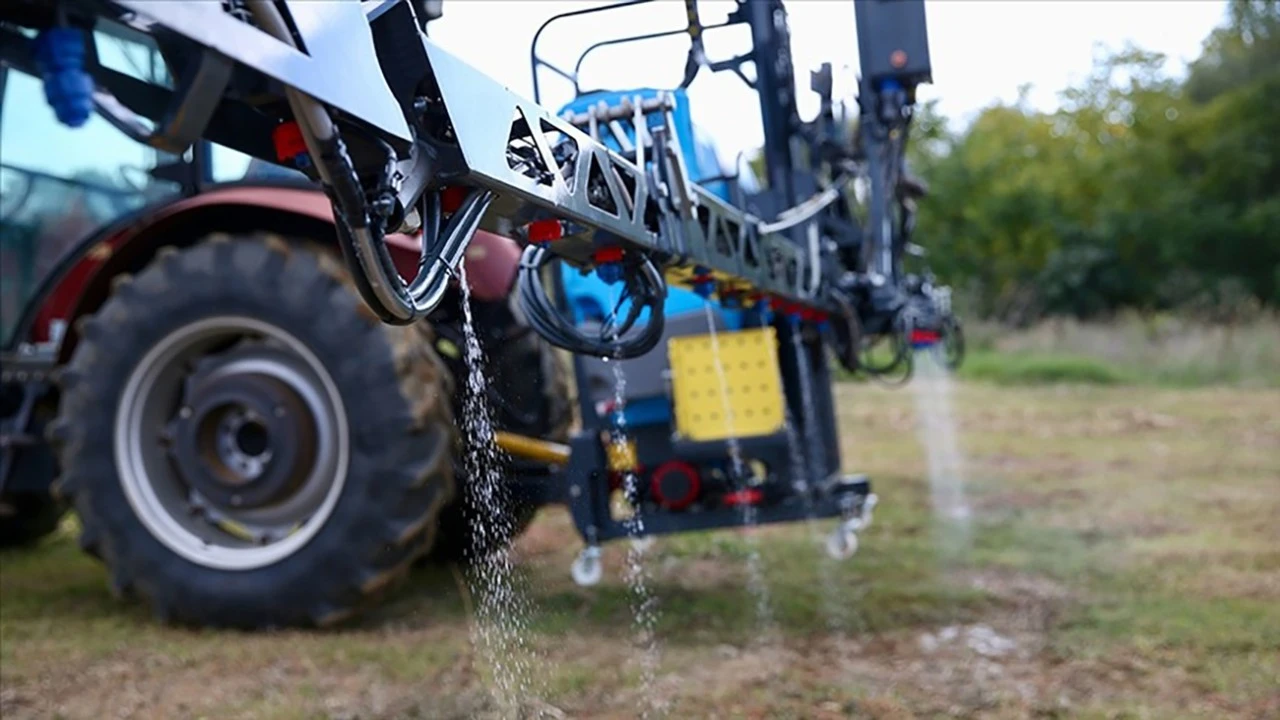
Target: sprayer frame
<point>413,120</point>
<point>585,479</point>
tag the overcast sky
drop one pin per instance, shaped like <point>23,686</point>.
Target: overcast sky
<point>981,50</point>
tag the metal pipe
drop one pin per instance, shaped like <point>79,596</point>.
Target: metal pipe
<point>532,448</point>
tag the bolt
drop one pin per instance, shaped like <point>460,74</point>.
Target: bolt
<point>575,491</point>
<point>185,413</point>
<point>236,501</point>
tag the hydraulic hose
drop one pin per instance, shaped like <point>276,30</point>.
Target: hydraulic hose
<point>361,236</point>
<point>642,283</point>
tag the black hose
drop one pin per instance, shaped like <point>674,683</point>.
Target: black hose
<point>900,335</point>
<point>641,282</point>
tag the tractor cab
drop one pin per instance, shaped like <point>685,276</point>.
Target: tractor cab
<point>60,183</point>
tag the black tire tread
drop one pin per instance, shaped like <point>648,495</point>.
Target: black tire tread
<point>401,445</point>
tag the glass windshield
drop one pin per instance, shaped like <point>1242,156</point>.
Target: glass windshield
<point>59,184</point>
<point>231,165</point>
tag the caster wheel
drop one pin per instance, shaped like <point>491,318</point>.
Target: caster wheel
<point>587,569</point>
<point>842,543</point>
<point>868,506</point>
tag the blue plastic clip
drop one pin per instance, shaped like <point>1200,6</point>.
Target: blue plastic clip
<point>68,88</point>
<point>703,288</point>
<point>610,272</point>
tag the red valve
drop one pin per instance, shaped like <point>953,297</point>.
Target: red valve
<point>287,138</point>
<point>750,496</point>
<point>451,198</point>
<point>541,231</point>
<point>607,255</point>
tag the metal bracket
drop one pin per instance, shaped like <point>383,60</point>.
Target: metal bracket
<point>184,124</point>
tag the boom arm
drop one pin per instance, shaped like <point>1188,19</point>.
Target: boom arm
<point>405,136</point>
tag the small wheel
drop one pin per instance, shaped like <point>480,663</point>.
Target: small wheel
<point>842,543</point>
<point>587,570</point>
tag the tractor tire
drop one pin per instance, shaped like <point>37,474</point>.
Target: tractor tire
<point>246,445</point>
<point>527,390</point>
<point>30,517</point>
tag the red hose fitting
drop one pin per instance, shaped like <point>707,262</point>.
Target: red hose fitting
<point>607,255</point>
<point>542,231</point>
<point>287,138</point>
<point>451,198</point>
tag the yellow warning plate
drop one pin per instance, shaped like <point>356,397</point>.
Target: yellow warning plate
<point>736,392</point>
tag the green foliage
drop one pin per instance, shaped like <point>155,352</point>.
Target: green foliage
<point>1139,192</point>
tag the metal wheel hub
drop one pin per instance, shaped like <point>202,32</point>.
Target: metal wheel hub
<point>242,439</point>
<point>231,442</point>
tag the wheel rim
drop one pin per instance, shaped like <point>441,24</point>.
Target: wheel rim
<point>231,443</point>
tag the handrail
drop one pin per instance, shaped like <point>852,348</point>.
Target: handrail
<point>577,68</point>
<point>536,61</point>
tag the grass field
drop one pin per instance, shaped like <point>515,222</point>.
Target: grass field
<point>1123,562</point>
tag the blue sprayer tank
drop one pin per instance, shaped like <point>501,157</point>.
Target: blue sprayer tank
<point>588,295</point>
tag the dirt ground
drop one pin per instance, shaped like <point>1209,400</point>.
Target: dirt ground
<point>1122,561</point>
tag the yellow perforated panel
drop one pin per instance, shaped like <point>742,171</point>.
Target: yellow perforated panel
<point>749,360</point>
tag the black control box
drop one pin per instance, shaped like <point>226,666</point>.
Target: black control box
<point>893,42</point>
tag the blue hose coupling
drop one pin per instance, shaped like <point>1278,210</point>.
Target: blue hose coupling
<point>704,285</point>
<point>610,272</point>
<point>68,88</point>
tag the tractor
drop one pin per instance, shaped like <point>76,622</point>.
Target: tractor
<point>246,392</point>
<point>241,368</point>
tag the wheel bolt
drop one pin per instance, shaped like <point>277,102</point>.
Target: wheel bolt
<point>184,413</point>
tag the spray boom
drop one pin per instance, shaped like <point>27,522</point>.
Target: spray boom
<point>391,123</point>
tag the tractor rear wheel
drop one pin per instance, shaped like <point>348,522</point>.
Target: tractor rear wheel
<point>246,445</point>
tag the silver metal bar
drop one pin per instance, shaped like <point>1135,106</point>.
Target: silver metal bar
<point>721,237</point>
<point>339,67</point>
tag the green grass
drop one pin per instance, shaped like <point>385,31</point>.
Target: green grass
<point>1123,539</point>
<point>1039,369</point>
<point>1162,350</point>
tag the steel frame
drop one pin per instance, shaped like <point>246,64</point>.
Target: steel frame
<point>603,196</point>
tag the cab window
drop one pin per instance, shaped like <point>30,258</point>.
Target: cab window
<point>59,184</point>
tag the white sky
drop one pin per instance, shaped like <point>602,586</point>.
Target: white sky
<point>981,50</point>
